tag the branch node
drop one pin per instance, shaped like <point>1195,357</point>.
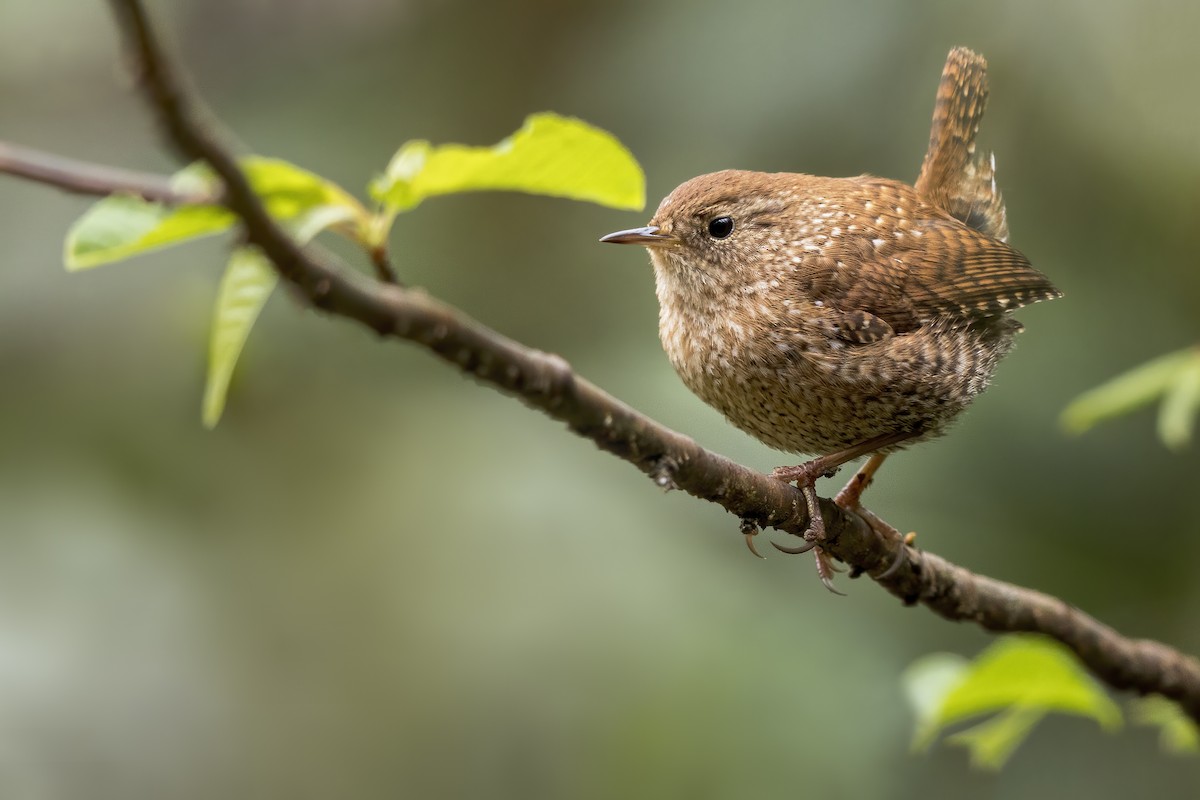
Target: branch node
<point>552,379</point>
<point>664,473</point>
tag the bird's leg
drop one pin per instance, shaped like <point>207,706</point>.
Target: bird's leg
<point>888,532</point>
<point>805,475</point>
<point>821,467</point>
<point>848,498</point>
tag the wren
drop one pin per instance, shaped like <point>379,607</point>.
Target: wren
<point>841,317</point>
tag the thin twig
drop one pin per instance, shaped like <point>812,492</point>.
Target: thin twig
<point>547,383</point>
<point>383,265</point>
<point>81,177</point>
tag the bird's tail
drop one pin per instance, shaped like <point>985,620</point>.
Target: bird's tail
<point>954,177</point>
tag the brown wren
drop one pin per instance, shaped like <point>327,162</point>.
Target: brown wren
<point>841,317</point>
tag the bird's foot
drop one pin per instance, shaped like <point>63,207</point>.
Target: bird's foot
<point>805,476</point>
<point>825,570</point>
<point>887,531</point>
<point>806,473</point>
<point>814,534</point>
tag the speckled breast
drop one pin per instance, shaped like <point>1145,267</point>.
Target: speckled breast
<point>812,396</point>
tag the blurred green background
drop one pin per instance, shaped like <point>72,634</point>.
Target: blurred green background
<point>377,579</point>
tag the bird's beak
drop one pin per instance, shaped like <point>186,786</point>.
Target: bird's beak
<point>647,237</point>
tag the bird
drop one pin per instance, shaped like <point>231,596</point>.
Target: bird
<point>843,317</point>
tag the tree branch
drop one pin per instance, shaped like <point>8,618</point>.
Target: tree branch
<point>81,177</point>
<point>547,383</point>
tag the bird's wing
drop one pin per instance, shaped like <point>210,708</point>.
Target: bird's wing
<point>936,268</point>
<point>957,270</point>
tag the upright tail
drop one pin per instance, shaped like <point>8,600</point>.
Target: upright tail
<point>953,177</point>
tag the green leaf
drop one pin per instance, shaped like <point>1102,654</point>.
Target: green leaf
<point>1024,677</point>
<point>118,227</point>
<point>1177,416</point>
<point>1179,734</point>
<point>245,287</point>
<point>1131,390</point>
<point>1033,671</point>
<point>927,682</point>
<point>991,743</point>
<point>121,226</point>
<point>549,155</point>
<point>288,191</point>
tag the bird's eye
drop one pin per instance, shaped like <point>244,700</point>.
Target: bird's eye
<point>720,227</point>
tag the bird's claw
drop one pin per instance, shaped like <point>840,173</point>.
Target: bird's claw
<point>750,530</point>
<point>901,557</point>
<point>804,476</point>
<point>794,551</point>
<point>750,544</point>
<point>825,571</point>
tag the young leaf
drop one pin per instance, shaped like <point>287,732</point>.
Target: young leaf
<point>247,283</point>
<point>991,743</point>
<point>1022,676</point>
<point>1029,670</point>
<point>927,681</point>
<point>245,287</point>
<point>1179,734</point>
<point>1177,415</point>
<point>549,155</point>
<point>121,226</point>
<point>288,191</point>
<point>1124,393</point>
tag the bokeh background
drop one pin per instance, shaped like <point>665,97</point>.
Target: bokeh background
<point>377,579</point>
